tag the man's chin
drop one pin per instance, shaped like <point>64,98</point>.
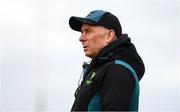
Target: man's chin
<point>90,56</point>
<point>87,55</point>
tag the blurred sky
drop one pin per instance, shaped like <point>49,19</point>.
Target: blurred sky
<point>41,57</point>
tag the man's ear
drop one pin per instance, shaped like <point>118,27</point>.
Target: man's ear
<point>110,36</point>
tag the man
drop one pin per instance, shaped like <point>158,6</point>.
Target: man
<point>111,80</point>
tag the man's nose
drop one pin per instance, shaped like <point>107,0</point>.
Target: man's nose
<point>82,37</point>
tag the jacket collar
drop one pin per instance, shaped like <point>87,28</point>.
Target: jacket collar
<point>109,52</point>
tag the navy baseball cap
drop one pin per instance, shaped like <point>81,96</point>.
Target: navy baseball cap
<point>97,18</point>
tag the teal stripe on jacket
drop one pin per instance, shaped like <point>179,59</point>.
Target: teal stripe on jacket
<point>135,97</point>
<point>94,104</point>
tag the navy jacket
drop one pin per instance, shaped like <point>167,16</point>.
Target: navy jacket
<point>111,80</point>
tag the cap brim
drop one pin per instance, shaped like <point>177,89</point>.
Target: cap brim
<point>76,22</point>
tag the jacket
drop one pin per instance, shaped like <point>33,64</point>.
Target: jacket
<point>111,80</point>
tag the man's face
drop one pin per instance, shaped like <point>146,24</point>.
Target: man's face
<point>93,39</point>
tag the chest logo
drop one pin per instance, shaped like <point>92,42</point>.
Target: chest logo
<point>89,81</point>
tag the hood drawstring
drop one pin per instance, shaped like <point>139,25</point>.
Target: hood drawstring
<point>84,70</point>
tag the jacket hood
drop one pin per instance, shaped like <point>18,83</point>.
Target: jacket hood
<point>121,49</point>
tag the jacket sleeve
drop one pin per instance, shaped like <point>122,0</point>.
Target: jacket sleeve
<point>117,89</point>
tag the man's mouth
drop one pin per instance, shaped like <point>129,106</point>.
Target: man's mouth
<point>85,47</point>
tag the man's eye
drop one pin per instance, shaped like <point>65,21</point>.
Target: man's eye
<point>89,30</point>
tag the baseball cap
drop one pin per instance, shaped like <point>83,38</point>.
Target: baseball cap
<point>97,18</point>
